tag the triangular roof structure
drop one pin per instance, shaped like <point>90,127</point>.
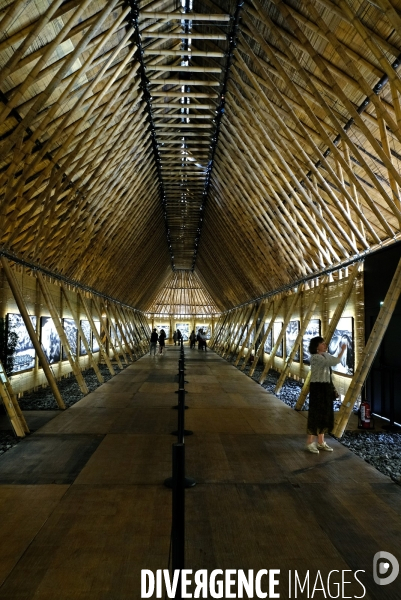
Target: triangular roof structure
<point>183,294</point>
<point>256,144</point>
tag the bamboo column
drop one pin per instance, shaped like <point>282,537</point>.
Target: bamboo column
<point>257,334</point>
<point>331,329</point>
<point>128,333</point>
<point>369,353</point>
<point>287,319</point>
<point>106,330</point>
<point>12,281</point>
<point>253,326</point>
<point>245,324</point>
<point>95,333</point>
<point>114,330</point>
<point>276,307</point>
<point>298,341</point>
<point>61,333</point>
<point>11,405</point>
<point>75,317</point>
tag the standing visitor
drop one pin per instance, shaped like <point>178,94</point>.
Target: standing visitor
<point>153,342</point>
<point>192,339</point>
<point>175,338</point>
<point>162,340</point>
<point>179,337</point>
<point>321,394</point>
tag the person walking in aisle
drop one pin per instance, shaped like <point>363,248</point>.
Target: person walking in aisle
<point>175,338</point>
<point>153,342</point>
<point>321,395</point>
<point>192,339</point>
<point>162,340</point>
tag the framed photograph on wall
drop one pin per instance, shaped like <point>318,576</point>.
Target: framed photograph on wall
<point>291,334</point>
<point>71,331</point>
<point>313,330</point>
<point>86,330</point>
<point>268,343</point>
<point>50,340</point>
<point>277,327</point>
<point>343,334</point>
<point>24,355</point>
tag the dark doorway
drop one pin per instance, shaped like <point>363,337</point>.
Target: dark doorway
<point>383,386</point>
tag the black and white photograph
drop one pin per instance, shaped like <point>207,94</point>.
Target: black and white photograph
<point>71,331</point>
<point>312,331</point>
<point>291,334</point>
<point>277,327</point>
<point>184,328</point>
<point>50,340</point>
<point>86,329</point>
<point>268,342</point>
<point>343,334</point>
<point>24,355</point>
<point>95,345</point>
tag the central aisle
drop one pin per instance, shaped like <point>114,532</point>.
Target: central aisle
<point>83,507</point>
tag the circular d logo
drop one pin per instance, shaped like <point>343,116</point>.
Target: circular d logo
<point>385,568</point>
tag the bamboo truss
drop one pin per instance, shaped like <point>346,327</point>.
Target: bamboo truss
<point>192,162</point>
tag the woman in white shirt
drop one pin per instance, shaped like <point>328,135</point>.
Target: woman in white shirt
<point>321,394</point>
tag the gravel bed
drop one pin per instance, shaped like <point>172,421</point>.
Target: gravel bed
<point>43,398</point>
<point>380,449</point>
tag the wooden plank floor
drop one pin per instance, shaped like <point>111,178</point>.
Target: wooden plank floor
<point>83,507</point>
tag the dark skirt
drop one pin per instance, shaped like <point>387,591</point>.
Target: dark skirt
<point>320,416</point>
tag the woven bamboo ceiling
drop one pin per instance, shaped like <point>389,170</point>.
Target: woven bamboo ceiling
<point>183,294</point>
<point>253,143</point>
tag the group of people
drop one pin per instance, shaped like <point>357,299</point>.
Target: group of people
<point>160,338</point>
<point>154,338</point>
<point>199,337</point>
<point>177,337</point>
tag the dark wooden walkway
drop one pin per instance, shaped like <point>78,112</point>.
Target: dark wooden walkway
<point>83,507</point>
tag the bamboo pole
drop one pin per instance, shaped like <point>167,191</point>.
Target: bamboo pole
<point>332,146</point>
<point>287,365</point>
<point>125,332</point>
<point>276,346</point>
<point>251,327</point>
<point>331,329</point>
<point>278,303</point>
<point>115,332</point>
<point>369,353</point>
<point>344,99</point>
<point>61,333</point>
<point>11,405</point>
<point>246,325</point>
<point>106,331</point>
<point>12,281</point>
<point>328,140</point>
<point>257,334</point>
<point>102,349</point>
<point>76,319</point>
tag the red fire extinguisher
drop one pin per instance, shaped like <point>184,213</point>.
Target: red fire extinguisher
<point>365,415</point>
